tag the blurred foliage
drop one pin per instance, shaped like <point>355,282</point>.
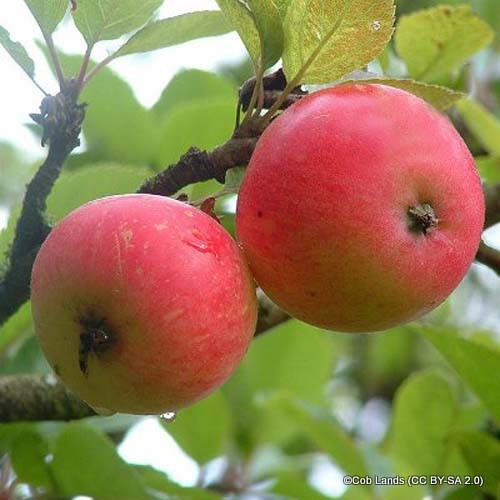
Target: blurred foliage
<point>419,399</point>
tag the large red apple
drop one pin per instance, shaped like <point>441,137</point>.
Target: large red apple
<point>142,304</point>
<point>361,208</point>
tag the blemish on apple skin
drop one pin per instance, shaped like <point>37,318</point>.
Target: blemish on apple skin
<point>189,213</point>
<point>127,234</point>
<point>161,227</point>
<point>172,315</point>
<point>199,243</point>
<point>139,271</point>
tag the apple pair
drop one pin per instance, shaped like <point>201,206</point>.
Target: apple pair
<point>361,209</point>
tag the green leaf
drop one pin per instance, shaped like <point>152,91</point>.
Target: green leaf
<point>73,189</point>
<point>281,360</point>
<point>475,363</point>
<point>27,358</point>
<point>240,18</point>
<point>482,453</point>
<point>48,13</point>
<point>116,124</point>
<point>326,40</point>
<point>292,485</point>
<point>7,235</point>
<point>234,178</point>
<point>203,430</point>
<point>16,326</point>
<point>17,52</point>
<point>326,434</point>
<point>440,97</point>
<point>158,481</point>
<point>436,41</point>
<point>193,85</point>
<point>27,454</point>
<point>178,133</point>
<point>293,358</point>
<point>116,127</point>
<point>174,31</point>
<point>489,168</point>
<point>282,6</point>
<point>268,21</point>
<point>425,409</point>
<point>484,125</point>
<point>86,463</point>
<point>109,19</point>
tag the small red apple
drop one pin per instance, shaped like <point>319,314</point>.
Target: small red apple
<point>142,304</point>
<point>361,208</point>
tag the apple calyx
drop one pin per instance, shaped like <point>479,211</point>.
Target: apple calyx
<point>96,338</point>
<point>422,218</point>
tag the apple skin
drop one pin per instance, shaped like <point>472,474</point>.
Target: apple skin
<point>165,283</point>
<point>322,214</point>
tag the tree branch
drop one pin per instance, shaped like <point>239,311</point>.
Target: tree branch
<point>197,166</point>
<point>61,119</point>
<point>489,257</point>
<point>492,201</point>
<point>38,397</point>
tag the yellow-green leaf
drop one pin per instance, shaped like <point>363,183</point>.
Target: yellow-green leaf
<point>175,30</point>
<point>484,126</point>
<point>48,13</point>
<point>482,453</point>
<point>325,432</point>
<point>476,364</point>
<point>424,410</point>
<point>440,97</point>
<point>489,168</point>
<point>434,42</point>
<point>17,52</point>
<point>326,40</point>
<point>282,6</point>
<point>110,19</point>
<point>268,21</point>
<point>93,181</point>
<point>240,18</point>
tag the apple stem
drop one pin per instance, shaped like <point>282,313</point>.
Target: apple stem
<point>422,219</point>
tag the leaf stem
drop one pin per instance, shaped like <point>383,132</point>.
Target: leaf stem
<point>98,68</point>
<point>297,79</point>
<point>85,65</point>
<point>55,59</point>
<point>257,91</point>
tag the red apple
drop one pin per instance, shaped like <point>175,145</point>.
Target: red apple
<point>361,208</point>
<point>142,304</point>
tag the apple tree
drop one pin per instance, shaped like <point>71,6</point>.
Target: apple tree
<point>412,412</point>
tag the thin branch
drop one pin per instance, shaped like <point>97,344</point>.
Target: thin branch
<point>270,315</point>
<point>37,398</point>
<point>55,59</point>
<point>489,257</point>
<point>492,200</point>
<point>197,166</point>
<point>83,69</point>
<point>61,119</point>
<point>93,72</point>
